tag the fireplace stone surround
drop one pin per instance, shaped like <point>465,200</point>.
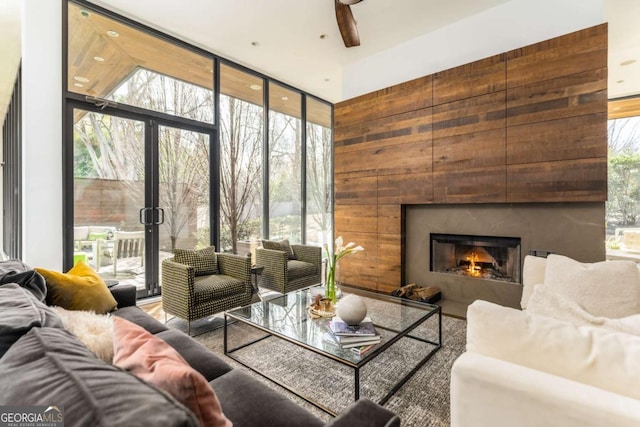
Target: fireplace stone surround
<point>576,230</point>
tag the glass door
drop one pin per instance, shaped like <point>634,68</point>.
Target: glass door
<point>141,189</point>
<point>183,190</point>
<point>110,197</point>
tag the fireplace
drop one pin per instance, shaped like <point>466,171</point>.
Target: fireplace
<point>572,229</point>
<point>482,257</point>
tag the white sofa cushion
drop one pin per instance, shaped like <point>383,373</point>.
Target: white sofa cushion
<point>604,359</point>
<point>533,271</point>
<point>607,289</point>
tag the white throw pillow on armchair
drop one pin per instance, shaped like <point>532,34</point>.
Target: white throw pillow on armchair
<point>607,289</point>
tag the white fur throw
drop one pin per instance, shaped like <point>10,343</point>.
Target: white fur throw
<point>94,330</point>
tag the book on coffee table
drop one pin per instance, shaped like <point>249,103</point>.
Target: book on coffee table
<point>349,342</point>
<point>340,328</point>
<point>362,349</point>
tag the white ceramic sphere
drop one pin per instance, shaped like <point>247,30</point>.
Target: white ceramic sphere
<point>352,309</point>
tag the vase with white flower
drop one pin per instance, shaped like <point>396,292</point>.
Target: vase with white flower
<point>332,263</point>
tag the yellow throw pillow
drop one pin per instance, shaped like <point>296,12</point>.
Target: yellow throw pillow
<point>80,288</point>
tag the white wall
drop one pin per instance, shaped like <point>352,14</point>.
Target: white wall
<point>505,27</point>
<point>42,133</point>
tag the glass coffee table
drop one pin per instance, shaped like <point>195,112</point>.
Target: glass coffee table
<point>286,317</point>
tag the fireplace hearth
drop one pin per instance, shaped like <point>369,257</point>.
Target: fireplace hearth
<point>482,257</point>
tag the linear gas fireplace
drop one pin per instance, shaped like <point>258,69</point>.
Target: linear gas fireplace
<point>484,257</point>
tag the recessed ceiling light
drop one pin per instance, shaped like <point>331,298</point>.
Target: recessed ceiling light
<point>616,108</point>
<point>620,81</point>
<point>628,62</point>
<point>113,33</point>
<point>285,98</point>
<point>327,79</point>
<point>78,85</point>
<point>98,58</point>
<point>254,43</point>
<point>84,13</point>
<point>323,36</point>
<point>255,87</point>
<point>81,79</point>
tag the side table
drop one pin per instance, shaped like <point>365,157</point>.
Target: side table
<point>111,282</point>
<point>256,270</point>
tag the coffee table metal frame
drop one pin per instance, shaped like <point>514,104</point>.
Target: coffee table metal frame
<point>430,311</point>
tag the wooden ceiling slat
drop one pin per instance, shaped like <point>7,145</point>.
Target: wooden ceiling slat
<point>133,48</point>
<point>621,108</point>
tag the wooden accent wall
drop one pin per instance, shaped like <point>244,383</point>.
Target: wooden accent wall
<point>529,125</point>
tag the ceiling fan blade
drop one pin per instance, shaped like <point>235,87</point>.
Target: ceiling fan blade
<point>347,25</point>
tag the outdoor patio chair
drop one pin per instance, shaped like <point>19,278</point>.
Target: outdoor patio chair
<point>125,244</point>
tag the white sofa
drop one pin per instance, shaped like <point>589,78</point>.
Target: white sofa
<point>557,363</point>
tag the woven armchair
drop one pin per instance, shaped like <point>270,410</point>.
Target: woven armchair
<point>284,275</point>
<point>192,297</point>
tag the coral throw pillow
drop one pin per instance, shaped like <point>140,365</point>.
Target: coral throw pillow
<point>156,362</point>
<point>80,288</point>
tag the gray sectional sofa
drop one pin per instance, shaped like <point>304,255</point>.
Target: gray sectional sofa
<point>41,363</point>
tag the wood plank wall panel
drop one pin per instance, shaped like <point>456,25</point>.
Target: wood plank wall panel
<point>469,133</point>
<point>472,150</point>
<point>469,115</point>
<point>411,157</point>
<point>389,262</point>
<point>390,219</point>
<point>413,95</point>
<point>413,188</point>
<point>469,80</point>
<point>569,96</point>
<point>562,56</point>
<point>558,181</point>
<point>357,110</point>
<point>357,218</point>
<point>356,191</point>
<point>409,96</point>
<point>556,111</point>
<point>524,126</point>
<point>361,269</point>
<point>486,185</point>
<point>564,139</point>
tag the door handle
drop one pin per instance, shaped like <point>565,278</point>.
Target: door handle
<point>161,216</point>
<point>143,216</point>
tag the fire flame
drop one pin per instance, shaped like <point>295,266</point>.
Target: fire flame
<point>473,270</point>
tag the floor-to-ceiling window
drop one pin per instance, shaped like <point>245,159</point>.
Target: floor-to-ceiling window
<point>12,173</point>
<point>623,202</point>
<point>188,149</point>
<point>319,173</point>
<point>285,163</point>
<point>241,168</point>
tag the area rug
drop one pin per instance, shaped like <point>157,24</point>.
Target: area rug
<point>422,401</point>
<point>198,327</point>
